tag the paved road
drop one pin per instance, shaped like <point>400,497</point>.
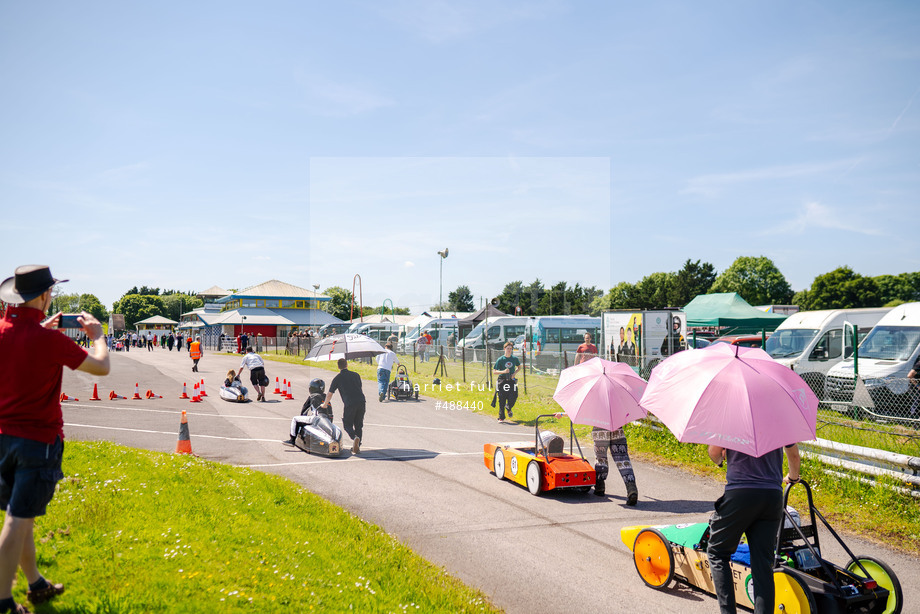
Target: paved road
<point>421,477</point>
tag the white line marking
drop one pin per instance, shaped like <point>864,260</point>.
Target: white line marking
<point>115,428</point>
<point>282,418</point>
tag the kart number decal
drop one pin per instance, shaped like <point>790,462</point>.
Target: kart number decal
<point>749,588</point>
<point>514,466</point>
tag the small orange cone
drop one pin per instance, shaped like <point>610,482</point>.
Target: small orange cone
<point>137,392</point>
<point>201,392</point>
<point>184,394</point>
<point>114,396</point>
<point>184,445</point>
<point>196,398</point>
<point>152,395</point>
<point>95,396</point>
<point>290,392</point>
<point>277,388</point>
<point>64,397</point>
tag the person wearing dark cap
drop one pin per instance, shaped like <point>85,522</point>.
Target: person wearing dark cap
<point>32,357</point>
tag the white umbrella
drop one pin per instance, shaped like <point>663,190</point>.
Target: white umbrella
<point>345,346</point>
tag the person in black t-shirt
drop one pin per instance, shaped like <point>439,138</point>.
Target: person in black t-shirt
<point>348,383</point>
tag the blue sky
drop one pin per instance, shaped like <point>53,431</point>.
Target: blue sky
<point>182,145</point>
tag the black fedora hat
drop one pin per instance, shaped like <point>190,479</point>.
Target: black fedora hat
<point>29,281</point>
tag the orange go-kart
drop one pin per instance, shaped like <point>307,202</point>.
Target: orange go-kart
<point>544,464</point>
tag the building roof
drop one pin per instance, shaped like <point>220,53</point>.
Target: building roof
<point>215,291</point>
<point>275,289</point>
<point>261,316</point>
<point>156,320</point>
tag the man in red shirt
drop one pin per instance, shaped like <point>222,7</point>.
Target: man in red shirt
<point>585,351</point>
<point>32,359</point>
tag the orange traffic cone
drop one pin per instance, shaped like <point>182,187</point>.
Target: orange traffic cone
<point>95,396</point>
<point>196,398</point>
<point>152,395</point>
<point>201,392</point>
<point>64,397</point>
<point>114,396</point>
<point>184,445</point>
<point>137,392</point>
<point>282,389</point>
<point>290,392</point>
<point>184,394</point>
<point>277,389</point>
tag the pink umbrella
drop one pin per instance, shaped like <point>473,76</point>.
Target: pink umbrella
<point>600,393</point>
<point>737,398</point>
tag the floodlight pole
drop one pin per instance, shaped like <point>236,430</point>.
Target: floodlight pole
<point>443,255</point>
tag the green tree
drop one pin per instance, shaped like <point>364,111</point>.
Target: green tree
<point>340,305</point>
<point>655,291</point>
<point>896,289</point>
<point>136,307</point>
<point>91,304</point>
<point>177,303</point>
<point>512,296</point>
<point>756,279</point>
<point>461,299</point>
<point>842,289</point>
<point>692,280</point>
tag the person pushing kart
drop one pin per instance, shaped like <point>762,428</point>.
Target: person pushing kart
<point>312,406</point>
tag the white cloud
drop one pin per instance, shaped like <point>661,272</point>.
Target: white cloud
<point>713,185</point>
<point>815,215</point>
<point>409,264</point>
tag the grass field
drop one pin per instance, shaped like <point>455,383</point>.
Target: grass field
<point>131,531</point>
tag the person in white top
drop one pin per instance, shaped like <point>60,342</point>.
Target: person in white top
<point>256,372</point>
<point>385,364</point>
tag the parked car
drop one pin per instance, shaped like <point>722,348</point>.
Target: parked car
<point>699,342</point>
<point>750,341</point>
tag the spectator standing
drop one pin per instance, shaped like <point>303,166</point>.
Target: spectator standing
<point>385,364</point>
<point>422,345</point>
<point>752,505</point>
<point>348,383</point>
<point>586,350</point>
<point>170,341</point>
<point>32,358</point>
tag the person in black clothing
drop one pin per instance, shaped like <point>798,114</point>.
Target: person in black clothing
<point>348,383</point>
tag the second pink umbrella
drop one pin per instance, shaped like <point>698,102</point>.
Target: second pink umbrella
<point>600,393</point>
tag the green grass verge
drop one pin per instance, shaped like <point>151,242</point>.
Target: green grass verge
<point>131,531</point>
<point>880,514</point>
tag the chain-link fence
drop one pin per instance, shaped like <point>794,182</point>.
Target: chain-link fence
<point>880,413</point>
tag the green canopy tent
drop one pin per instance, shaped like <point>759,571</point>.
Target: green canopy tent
<point>729,310</point>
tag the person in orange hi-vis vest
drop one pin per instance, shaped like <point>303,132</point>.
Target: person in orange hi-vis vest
<point>194,350</point>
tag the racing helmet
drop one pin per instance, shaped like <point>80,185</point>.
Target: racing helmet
<point>317,386</point>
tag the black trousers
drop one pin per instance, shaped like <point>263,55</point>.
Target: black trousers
<point>756,512</point>
<point>353,420</point>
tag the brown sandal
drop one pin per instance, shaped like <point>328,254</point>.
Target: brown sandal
<point>49,592</point>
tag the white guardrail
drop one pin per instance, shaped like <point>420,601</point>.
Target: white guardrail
<point>867,461</point>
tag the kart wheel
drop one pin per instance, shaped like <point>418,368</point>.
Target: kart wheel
<point>883,574</point>
<point>653,558</point>
<point>533,477</point>
<point>792,595</point>
<point>499,463</point>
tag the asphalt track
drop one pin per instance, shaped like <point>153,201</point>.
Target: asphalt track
<point>421,477</point>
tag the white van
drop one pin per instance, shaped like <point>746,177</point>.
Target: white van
<point>811,342</point>
<point>885,357</point>
<point>497,330</point>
